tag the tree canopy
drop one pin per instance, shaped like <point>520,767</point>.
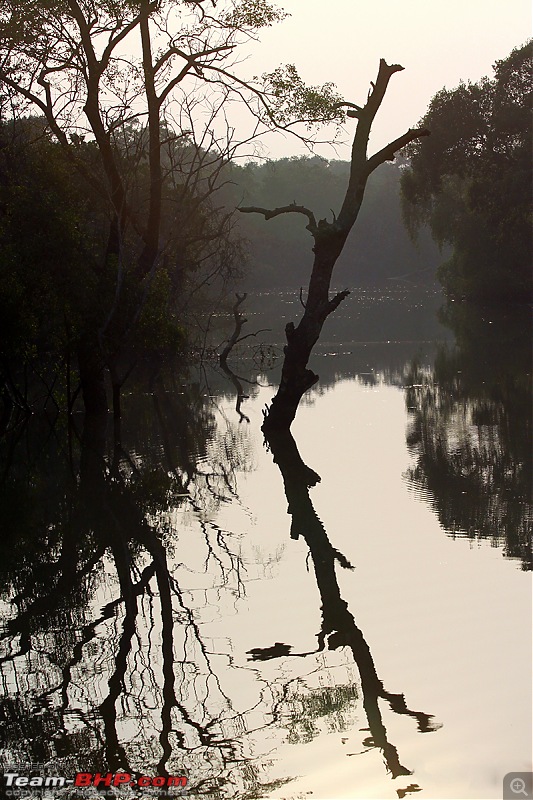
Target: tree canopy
<point>134,93</point>
<point>471,181</point>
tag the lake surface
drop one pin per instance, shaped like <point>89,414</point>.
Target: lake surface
<point>344,613</point>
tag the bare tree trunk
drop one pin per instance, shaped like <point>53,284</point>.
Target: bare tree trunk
<point>240,320</point>
<point>150,250</point>
<point>296,378</point>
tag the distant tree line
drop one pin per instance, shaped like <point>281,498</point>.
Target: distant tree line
<point>379,252</point>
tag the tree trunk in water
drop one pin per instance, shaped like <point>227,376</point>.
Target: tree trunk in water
<point>296,378</point>
<point>92,377</point>
<point>329,238</point>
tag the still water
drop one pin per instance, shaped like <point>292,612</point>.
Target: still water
<point>344,613</point>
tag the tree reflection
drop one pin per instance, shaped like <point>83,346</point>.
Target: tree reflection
<point>103,662</point>
<point>471,429</point>
<point>338,628</point>
<point>106,656</point>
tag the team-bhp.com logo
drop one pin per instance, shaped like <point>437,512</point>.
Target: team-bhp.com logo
<point>125,779</point>
<point>14,781</point>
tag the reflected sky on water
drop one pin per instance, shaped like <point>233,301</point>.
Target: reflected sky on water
<point>340,613</point>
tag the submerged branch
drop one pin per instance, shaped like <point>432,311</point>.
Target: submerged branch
<point>240,320</point>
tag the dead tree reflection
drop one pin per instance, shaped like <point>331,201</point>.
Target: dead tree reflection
<point>239,389</point>
<point>239,322</point>
<point>338,627</point>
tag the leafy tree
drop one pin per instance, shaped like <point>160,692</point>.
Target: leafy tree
<point>471,182</point>
<point>73,62</point>
<point>53,291</point>
<point>48,251</point>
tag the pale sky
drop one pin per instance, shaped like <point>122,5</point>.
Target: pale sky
<point>439,42</point>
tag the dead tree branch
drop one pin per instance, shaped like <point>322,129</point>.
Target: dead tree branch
<point>240,320</point>
<point>275,212</point>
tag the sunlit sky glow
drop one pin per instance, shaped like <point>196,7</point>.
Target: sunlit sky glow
<point>439,42</point>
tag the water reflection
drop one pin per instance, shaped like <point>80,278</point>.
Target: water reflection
<point>471,429</point>
<point>125,565</point>
<point>338,627</point>
<point>106,660</point>
<point>104,664</point>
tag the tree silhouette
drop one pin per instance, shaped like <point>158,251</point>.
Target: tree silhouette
<point>471,429</point>
<point>329,239</point>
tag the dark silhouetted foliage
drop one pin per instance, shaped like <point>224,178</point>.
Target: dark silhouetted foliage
<point>471,428</point>
<point>471,182</point>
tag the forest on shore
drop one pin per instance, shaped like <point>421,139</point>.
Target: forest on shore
<point>121,243</point>
<point>380,249</point>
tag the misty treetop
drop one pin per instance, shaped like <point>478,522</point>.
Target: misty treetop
<point>380,253</point>
<point>471,182</point>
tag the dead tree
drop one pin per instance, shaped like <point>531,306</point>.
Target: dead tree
<point>235,338</point>
<point>329,239</point>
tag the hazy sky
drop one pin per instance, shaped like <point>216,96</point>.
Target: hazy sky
<point>439,42</point>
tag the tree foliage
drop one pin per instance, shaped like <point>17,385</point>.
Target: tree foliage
<point>292,100</point>
<point>58,286</point>
<point>146,83</point>
<point>471,182</point>
<point>48,249</point>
